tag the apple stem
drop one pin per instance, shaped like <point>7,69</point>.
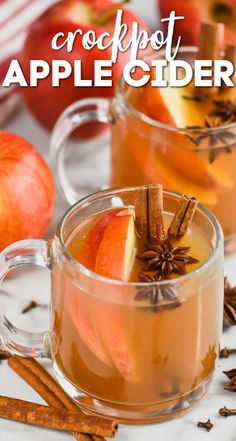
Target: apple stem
<point>103,19</point>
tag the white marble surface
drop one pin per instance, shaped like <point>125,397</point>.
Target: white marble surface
<point>28,284</point>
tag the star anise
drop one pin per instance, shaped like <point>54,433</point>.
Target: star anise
<point>229,303</point>
<point>158,295</point>
<point>230,374</point>
<point>218,140</point>
<point>225,110</point>
<point>165,259</point>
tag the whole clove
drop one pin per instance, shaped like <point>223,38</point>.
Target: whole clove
<point>225,412</point>
<point>226,352</point>
<point>207,425</point>
<point>29,307</point>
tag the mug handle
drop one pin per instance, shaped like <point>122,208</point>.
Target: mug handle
<point>73,117</point>
<point>17,341</point>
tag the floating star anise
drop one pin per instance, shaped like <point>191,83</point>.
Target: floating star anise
<point>225,110</point>
<point>164,259</point>
<point>229,303</point>
<point>157,294</point>
<point>218,140</point>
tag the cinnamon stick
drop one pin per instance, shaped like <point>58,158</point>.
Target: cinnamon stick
<point>59,419</point>
<point>155,214</point>
<point>141,213</point>
<point>44,384</point>
<point>211,43</point>
<point>149,213</point>
<point>230,55</point>
<point>183,217</point>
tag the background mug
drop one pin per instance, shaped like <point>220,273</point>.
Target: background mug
<point>113,354</point>
<point>143,151</point>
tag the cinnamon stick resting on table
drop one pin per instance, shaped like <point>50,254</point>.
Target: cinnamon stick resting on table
<point>60,419</point>
<point>44,384</point>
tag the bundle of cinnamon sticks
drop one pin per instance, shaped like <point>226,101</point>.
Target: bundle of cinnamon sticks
<point>60,414</point>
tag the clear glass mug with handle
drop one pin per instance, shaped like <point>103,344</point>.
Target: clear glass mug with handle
<point>198,161</point>
<point>114,354</point>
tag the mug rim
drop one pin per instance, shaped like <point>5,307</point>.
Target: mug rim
<point>115,191</point>
<point>149,120</point>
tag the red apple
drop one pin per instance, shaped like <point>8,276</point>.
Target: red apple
<point>198,11</point>
<point>47,103</point>
<point>26,191</point>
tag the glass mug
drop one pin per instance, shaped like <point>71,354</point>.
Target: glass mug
<point>166,357</point>
<point>144,151</point>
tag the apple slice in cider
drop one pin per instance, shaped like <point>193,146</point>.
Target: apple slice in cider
<point>116,250</point>
<point>102,325</point>
<point>77,305</point>
<point>114,260</point>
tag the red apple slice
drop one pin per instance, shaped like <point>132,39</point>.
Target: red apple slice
<point>167,105</point>
<point>114,260</point>
<point>116,333</point>
<point>78,306</point>
<point>154,164</point>
<point>91,245</point>
<point>81,316</point>
<point>117,247</point>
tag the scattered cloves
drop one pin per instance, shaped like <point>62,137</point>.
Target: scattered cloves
<point>207,425</point>
<point>29,307</point>
<point>225,352</point>
<point>227,412</point>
